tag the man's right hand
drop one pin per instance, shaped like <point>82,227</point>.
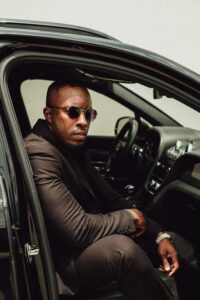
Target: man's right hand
<point>139,220</point>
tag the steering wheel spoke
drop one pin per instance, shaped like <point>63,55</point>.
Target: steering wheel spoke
<point>123,144</point>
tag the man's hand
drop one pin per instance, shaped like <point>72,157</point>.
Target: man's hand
<point>139,220</point>
<point>169,257</point>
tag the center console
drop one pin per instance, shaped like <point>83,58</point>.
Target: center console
<point>161,151</point>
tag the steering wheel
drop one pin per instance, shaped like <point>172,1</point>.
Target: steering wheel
<point>123,143</point>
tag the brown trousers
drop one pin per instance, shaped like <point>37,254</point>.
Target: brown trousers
<point>118,258</point>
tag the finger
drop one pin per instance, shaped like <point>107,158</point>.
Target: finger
<point>172,271</point>
<point>139,231</point>
<point>161,268</point>
<point>174,268</point>
<point>175,261</point>
<point>166,264</point>
<point>139,222</point>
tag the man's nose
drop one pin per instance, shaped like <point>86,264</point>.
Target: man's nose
<point>82,119</point>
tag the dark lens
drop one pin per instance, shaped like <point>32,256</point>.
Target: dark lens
<point>90,114</point>
<point>74,112</point>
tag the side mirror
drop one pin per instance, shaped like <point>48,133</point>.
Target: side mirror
<point>120,123</point>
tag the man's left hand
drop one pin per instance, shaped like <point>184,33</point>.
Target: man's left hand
<point>169,257</point>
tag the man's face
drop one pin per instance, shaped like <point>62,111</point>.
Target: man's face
<point>71,131</point>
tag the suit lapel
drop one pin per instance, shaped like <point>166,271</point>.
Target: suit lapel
<point>74,169</point>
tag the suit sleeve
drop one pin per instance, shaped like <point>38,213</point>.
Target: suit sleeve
<point>112,200</point>
<point>62,211</point>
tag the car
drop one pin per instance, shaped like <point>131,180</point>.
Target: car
<point>145,141</point>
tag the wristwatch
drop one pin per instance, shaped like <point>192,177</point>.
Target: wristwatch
<point>162,236</point>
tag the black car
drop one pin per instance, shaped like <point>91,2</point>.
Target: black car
<point>145,141</point>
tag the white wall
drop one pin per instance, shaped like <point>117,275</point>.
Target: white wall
<point>168,27</point>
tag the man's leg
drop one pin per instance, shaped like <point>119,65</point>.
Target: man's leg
<point>118,258</point>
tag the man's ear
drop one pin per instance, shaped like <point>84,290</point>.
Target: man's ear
<point>47,114</point>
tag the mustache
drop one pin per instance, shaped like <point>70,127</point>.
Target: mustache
<point>80,130</point>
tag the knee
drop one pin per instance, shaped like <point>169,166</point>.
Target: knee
<point>124,245</point>
<point>126,252</point>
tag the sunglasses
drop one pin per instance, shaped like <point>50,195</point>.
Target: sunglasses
<point>74,112</point>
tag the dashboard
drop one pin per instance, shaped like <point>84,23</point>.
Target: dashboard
<point>163,147</point>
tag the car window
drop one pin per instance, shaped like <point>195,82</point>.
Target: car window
<point>109,111</point>
<point>180,112</point>
<point>34,96</point>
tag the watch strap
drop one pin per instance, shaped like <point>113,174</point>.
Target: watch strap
<point>162,236</point>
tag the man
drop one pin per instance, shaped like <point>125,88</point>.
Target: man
<point>92,229</point>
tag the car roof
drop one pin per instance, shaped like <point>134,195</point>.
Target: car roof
<point>25,30</point>
<point>53,27</point>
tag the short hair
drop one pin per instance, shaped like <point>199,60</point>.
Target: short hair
<point>56,85</point>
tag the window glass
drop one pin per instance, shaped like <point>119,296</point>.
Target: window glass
<point>34,95</point>
<point>109,111</point>
<point>180,112</point>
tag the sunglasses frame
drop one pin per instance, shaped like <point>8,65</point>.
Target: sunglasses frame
<point>93,112</point>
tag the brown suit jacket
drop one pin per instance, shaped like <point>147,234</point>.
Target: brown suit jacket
<point>79,206</point>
